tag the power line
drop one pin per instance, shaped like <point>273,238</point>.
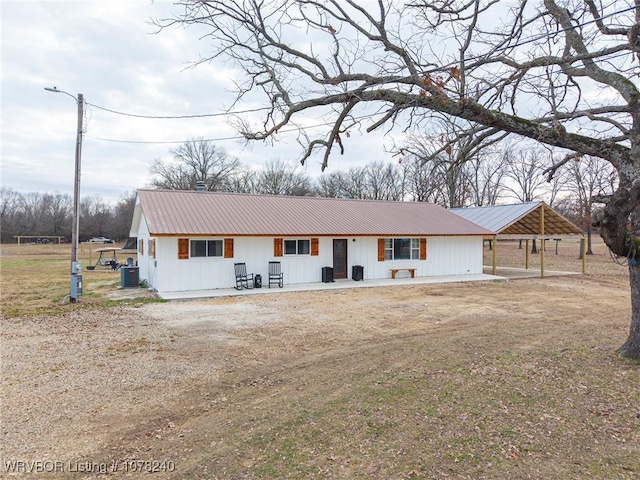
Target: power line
<point>143,142</point>
<point>219,139</point>
<point>177,117</point>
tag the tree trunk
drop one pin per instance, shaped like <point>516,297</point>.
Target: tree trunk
<point>534,248</point>
<point>631,348</point>
<point>589,250</point>
<point>613,221</point>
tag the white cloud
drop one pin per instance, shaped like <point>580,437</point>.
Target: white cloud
<point>109,51</point>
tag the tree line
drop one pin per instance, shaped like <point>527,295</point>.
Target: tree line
<point>47,214</point>
<point>491,175</point>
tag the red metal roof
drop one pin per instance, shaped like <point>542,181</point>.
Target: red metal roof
<point>176,212</point>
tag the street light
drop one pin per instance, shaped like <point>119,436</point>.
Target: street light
<point>76,269</point>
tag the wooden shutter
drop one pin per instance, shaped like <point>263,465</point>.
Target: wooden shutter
<point>152,246</point>
<point>423,249</point>
<point>314,247</point>
<point>228,248</point>
<point>277,247</point>
<point>141,246</point>
<point>381,249</point>
<point>183,248</point>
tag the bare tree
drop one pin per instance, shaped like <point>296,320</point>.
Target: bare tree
<point>556,186</point>
<point>457,154</point>
<point>281,178</point>
<point>355,183</point>
<point>377,180</point>
<point>452,181</point>
<point>486,174</point>
<point>95,216</point>
<point>533,74</point>
<point>587,179</point>
<point>398,182</point>
<point>243,180</point>
<point>524,168</point>
<point>122,213</point>
<point>34,213</point>
<point>421,183</point>
<point>383,181</point>
<point>331,185</point>
<point>57,211</point>
<point>194,161</point>
<point>9,212</point>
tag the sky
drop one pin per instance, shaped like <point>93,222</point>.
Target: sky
<point>109,52</point>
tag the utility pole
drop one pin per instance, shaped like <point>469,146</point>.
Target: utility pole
<point>76,266</point>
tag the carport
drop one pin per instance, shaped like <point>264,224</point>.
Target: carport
<point>524,221</point>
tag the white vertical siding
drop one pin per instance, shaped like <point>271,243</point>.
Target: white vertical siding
<point>145,262</point>
<point>453,256</point>
<point>445,256</point>
<point>209,273</point>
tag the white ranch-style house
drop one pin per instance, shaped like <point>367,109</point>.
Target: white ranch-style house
<point>190,240</point>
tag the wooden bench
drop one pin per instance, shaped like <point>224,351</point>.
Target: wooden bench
<point>412,271</point>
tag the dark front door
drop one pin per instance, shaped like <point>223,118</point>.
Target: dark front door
<point>340,258</point>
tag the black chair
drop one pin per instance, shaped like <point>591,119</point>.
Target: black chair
<point>243,280</point>
<point>275,274</point>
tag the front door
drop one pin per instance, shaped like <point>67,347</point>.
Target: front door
<point>340,258</point>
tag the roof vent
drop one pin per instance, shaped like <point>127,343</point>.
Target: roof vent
<point>200,186</point>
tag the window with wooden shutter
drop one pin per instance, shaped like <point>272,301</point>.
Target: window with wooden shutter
<point>152,246</point>
<point>228,248</point>
<point>423,249</point>
<point>277,247</point>
<point>183,248</point>
<point>141,246</point>
<point>315,249</point>
<point>381,249</point>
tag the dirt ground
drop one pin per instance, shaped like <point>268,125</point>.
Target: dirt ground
<point>316,385</point>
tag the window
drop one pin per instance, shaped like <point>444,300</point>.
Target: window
<point>297,247</point>
<point>206,248</point>
<point>401,248</point>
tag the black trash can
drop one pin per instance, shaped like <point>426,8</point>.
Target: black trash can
<point>357,272</point>
<point>327,274</point>
<point>257,281</point>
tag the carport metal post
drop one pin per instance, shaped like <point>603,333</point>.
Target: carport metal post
<point>494,253</point>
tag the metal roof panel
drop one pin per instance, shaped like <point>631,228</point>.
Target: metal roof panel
<point>178,212</point>
<point>519,219</point>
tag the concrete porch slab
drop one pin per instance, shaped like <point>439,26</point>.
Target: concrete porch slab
<point>338,284</point>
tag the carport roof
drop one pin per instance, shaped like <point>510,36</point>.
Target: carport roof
<point>520,220</point>
<point>175,212</point>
